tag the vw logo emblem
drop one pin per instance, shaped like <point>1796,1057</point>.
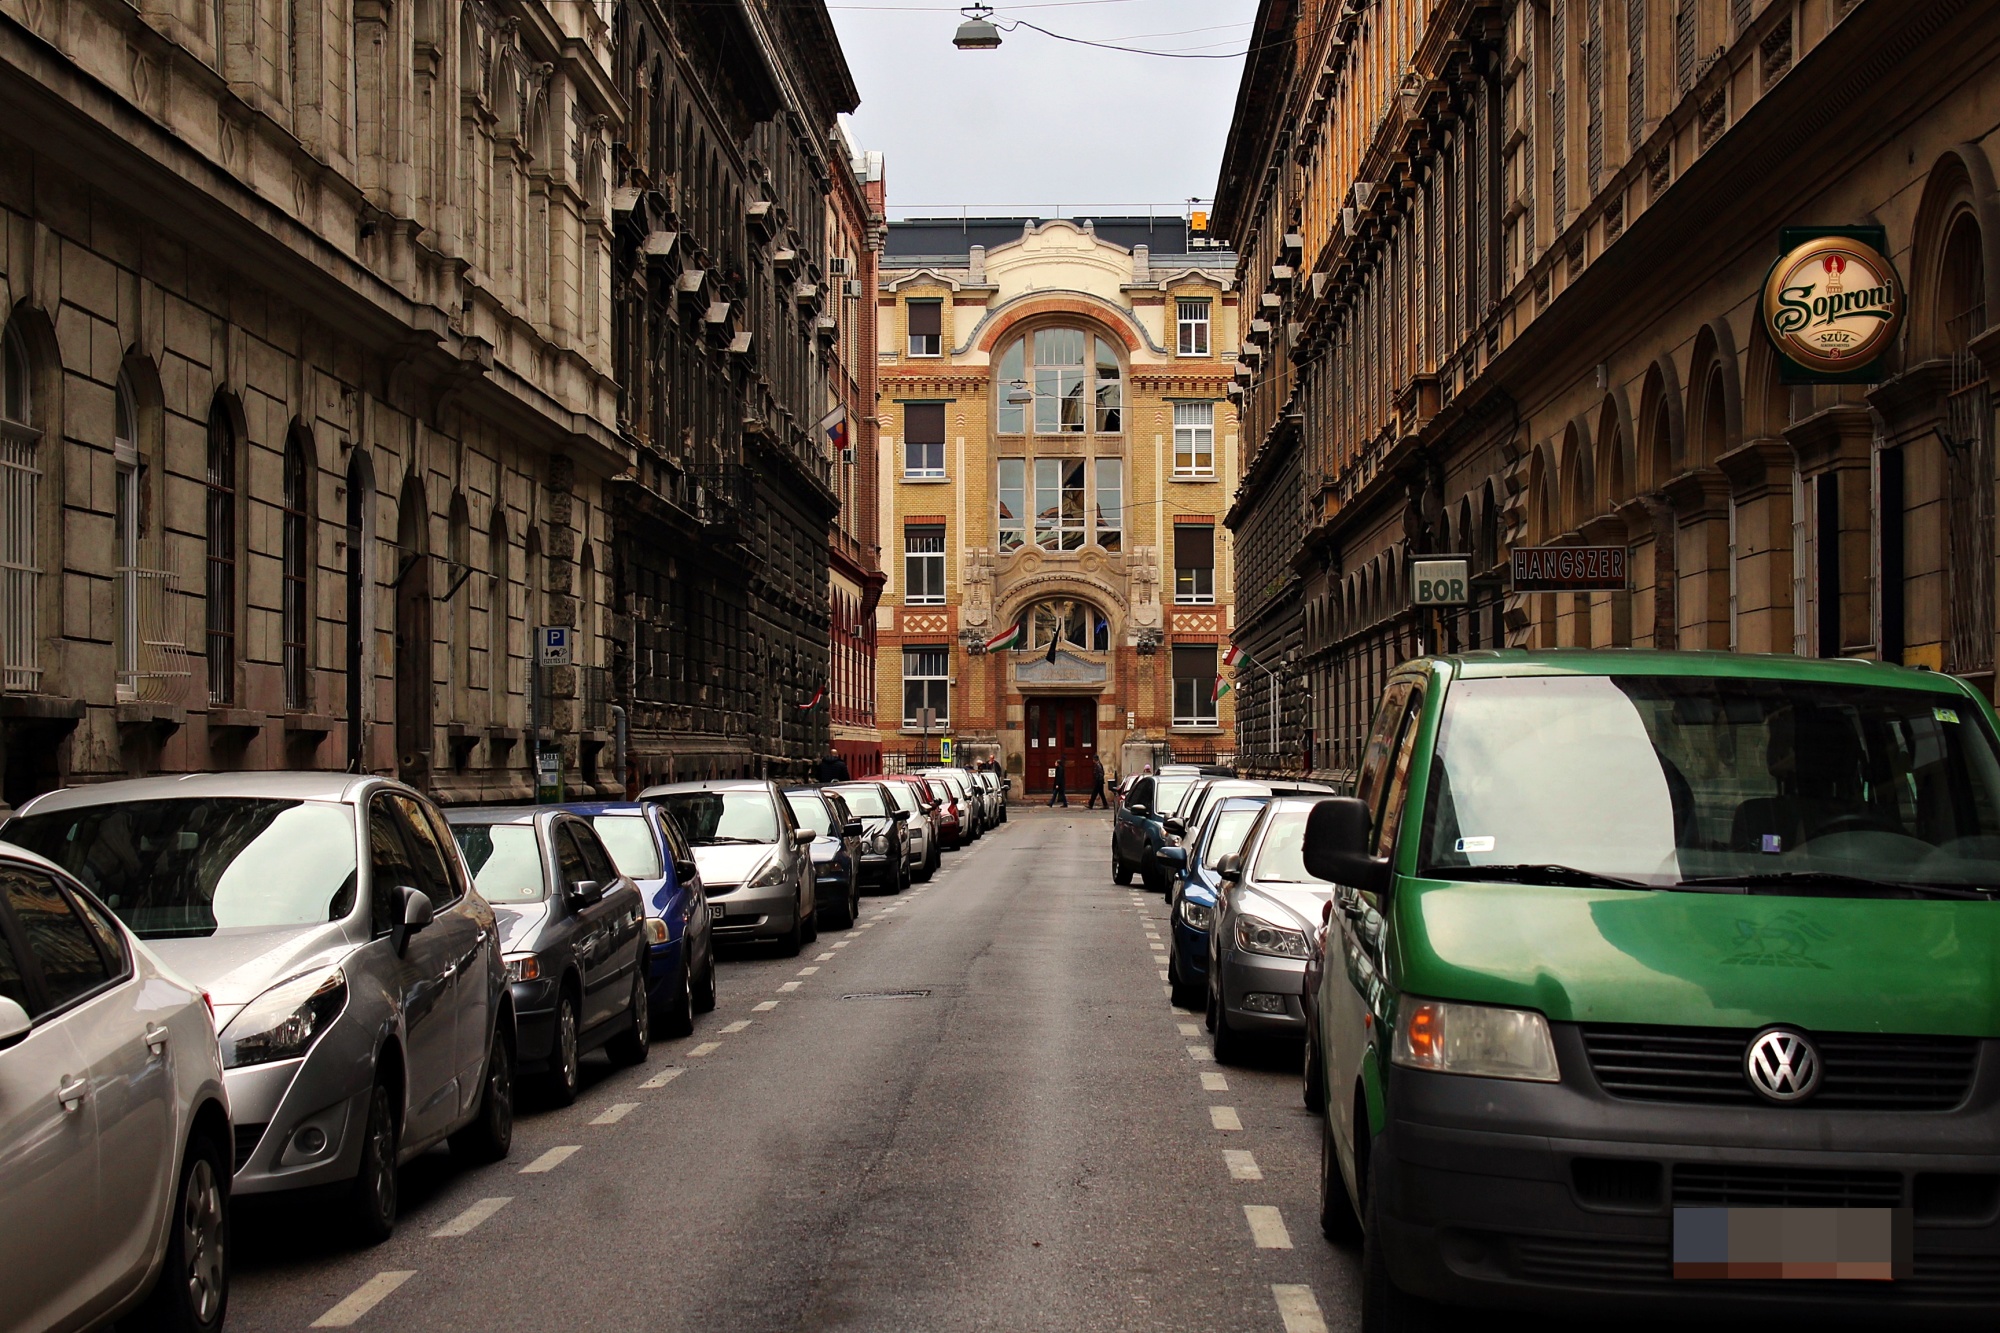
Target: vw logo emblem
<point>1782,1065</point>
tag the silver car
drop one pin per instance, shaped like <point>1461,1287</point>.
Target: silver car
<point>114,1122</point>
<point>755,859</point>
<point>924,849</point>
<point>1266,913</point>
<point>354,970</point>
<point>972,799</point>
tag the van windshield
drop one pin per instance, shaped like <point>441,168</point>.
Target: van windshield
<point>1665,779</point>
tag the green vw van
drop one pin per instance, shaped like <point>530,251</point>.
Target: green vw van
<point>1665,983</point>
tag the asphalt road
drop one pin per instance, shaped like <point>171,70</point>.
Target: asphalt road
<point>975,1110</point>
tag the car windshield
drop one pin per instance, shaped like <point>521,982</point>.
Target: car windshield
<point>712,817</point>
<point>904,797</point>
<point>1281,856</point>
<point>810,811</point>
<point>864,801</point>
<point>1700,777</point>
<point>1168,792</point>
<point>190,867</point>
<point>505,861</point>
<point>1227,838</point>
<point>631,844</point>
<point>941,791</point>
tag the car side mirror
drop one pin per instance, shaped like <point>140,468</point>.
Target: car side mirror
<point>684,870</point>
<point>417,913</point>
<point>900,816</point>
<point>1136,807</point>
<point>1229,869</point>
<point>1173,826</point>
<point>1171,856</point>
<point>14,1022</point>
<point>801,836</point>
<point>851,829</point>
<point>1339,835</point>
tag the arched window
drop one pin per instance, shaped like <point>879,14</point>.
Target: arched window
<point>458,605</point>
<point>499,562</point>
<point>20,517</point>
<point>125,500</point>
<point>221,489</point>
<point>1076,623</point>
<point>295,612</point>
<point>1074,384</point>
<point>586,607</point>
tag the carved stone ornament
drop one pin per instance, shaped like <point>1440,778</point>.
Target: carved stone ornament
<point>1143,582</point>
<point>976,606</point>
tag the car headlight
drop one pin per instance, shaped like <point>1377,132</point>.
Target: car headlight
<point>1256,935</point>
<point>1475,1039</point>
<point>880,842</point>
<point>284,1021</point>
<point>656,930</point>
<point>772,873</point>
<point>523,967</point>
<point>1196,916</point>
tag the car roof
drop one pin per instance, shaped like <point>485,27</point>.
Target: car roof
<point>280,785</point>
<point>591,809</point>
<point>1494,662</point>
<point>707,784</point>
<point>502,814</point>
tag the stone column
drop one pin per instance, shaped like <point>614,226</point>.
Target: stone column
<point>1760,486</point>
<point>1835,444</point>
<point>1611,612</point>
<point>1700,501</point>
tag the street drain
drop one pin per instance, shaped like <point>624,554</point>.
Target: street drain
<point>887,995</point>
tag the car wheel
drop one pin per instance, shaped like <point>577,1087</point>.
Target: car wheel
<point>676,1016</point>
<point>491,1133</point>
<point>1314,1093</point>
<point>191,1294</point>
<point>704,995</point>
<point>1120,872</point>
<point>1386,1307</point>
<point>371,1199</point>
<point>1208,1009</point>
<point>853,901</point>
<point>561,1081</point>
<point>1337,1219</point>
<point>630,1046</point>
<point>793,940</point>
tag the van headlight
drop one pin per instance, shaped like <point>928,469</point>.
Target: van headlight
<point>285,1020</point>
<point>1256,935</point>
<point>1475,1039</point>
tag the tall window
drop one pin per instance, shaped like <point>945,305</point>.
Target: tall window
<point>923,565</point>
<point>1194,563</point>
<point>923,440</point>
<point>1110,503</point>
<point>1059,504</point>
<point>1013,523</point>
<point>125,514</point>
<point>1075,389</point>
<point>295,612</point>
<point>927,684</point>
<point>926,328</point>
<point>1011,384</point>
<point>1194,439</point>
<point>1194,685</point>
<point>1193,327</point>
<point>498,576</point>
<point>20,515</point>
<point>221,485</point>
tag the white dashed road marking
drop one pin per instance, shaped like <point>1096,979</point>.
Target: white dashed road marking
<point>706,1048</point>
<point>807,971</point>
<point>1190,1029</point>
<point>1242,1164</point>
<point>550,1160</point>
<point>1297,1307</point>
<point>1267,1227</point>
<point>737,1026</point>
<point>473,1216</point>
<point>791,985</point>
<point>763,1006</point>
<point>842,944</point>
<point>1214,1083</point>
<point>1199,1053</point>
<point>822,958</point>
<point>365,1298</point>
<point>615,1112</point>
<point>1224,1117</point>
<point>1163,974</point>
<point>661,1079</point>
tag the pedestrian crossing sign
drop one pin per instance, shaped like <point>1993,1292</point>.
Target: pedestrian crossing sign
<point>944,750</point>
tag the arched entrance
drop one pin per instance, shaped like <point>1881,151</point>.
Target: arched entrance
<point>1063,667</point>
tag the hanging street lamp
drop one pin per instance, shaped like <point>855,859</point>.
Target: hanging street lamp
<point>977,33</point>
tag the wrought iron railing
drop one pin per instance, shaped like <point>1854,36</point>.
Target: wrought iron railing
<point>20,565</point>
<point>1968,506</point>
<point>154,665</point>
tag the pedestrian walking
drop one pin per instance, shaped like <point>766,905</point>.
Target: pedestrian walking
<point>1097,785</point>
<point>1059,796</point>
<point>832,768</point>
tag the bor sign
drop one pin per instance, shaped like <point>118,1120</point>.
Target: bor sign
<point>1569,569</point>
<point>1439,582</point>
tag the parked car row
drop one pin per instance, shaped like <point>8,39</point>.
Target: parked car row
<point>243,984</point>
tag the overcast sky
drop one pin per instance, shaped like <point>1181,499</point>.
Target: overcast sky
<point>1042,123</point>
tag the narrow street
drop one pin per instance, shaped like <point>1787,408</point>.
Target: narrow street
<point>976,1110</point>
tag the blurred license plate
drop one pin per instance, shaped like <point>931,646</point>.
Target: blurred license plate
<point>717,910</point>
<point>1850,1244</point>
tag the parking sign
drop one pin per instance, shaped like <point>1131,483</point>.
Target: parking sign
<point>552,645</point>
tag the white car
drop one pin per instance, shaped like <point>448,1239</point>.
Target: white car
<point>115,1140</point>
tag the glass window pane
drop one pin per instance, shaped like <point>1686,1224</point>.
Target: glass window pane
<point>505,859</point>
<point>55,935</point>
<point>1110,502</point>
<point>1013,416</point>
<point>1110,396</point>
<point>1013,502</point>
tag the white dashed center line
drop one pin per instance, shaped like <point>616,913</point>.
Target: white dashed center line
<point>1242,1165</point>
<point>661,1079</point>
<point>1199,1053</point>
<point>1224,1117</point>
<point>791,985</point>
<point>823,958</point>
<point>1163,974</point>
<point>1267,1227</point>
<point>1297,1307</point>
<point>843,944</point>
<point>706,1048</point>
<point>1214,1083</point>
<point>1190,1029</point>
<point>550,1160</point>
<point>763,1006</point>
<point>737,1026</point>
<point>807,971</point>
<point>615,1112</point>
<point>472,1217</point>
<point>365,1298</point>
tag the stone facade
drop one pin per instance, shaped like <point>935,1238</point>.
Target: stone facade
<point>308,395</point>
<point>1054,431</point>
<point>1519,305</point>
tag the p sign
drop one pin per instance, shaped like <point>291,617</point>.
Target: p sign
<point>552,645</point>
<point>1439,582</point>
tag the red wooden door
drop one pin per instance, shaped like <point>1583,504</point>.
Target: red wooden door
<point>1061,733</point>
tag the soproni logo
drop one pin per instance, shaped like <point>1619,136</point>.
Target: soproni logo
<point>1833,304</point>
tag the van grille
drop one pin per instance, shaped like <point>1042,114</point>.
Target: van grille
<point>1715,1184</point>
<point>1861,1071</point>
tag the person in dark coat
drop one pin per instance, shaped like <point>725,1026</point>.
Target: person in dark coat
<point>833,768</point>
<point>1097,795</point>
<point>1059,796</point>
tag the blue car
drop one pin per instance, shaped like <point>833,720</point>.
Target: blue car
<point>651,850</point>
<point>1193,893</point>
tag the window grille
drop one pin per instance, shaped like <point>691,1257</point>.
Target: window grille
<point>20,565</point>
<point>1684,45</point>
<point>1969,506</point>
<point>1635,71</point>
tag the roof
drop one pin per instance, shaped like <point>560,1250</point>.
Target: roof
<point>499,814</point>
<point>1496,662</point>
<point>280,786</point>
<point>589,808</point>
<point>706,784</point>
<point>912,241</point>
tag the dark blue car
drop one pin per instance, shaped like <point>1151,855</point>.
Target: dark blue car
<point>651,850</point>
<point>1194,889</point>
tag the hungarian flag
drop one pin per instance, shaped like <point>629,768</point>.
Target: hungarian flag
<point>813,702</point>
<point>1229,658</point>
<point>1222,687</point>
<point>1014,636</point>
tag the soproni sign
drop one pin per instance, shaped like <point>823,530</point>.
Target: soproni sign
<point>1832,304</point>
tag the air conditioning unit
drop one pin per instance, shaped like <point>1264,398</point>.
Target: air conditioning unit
<point>840,266</point>
<point>851,287</point>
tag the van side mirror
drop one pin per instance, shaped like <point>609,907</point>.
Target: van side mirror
<point>1339,834</point>
<point>417,913</point>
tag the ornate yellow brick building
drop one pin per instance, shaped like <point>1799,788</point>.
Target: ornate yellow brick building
<point>1058,449</point>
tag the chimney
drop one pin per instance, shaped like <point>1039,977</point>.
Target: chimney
<point>1142,263</point>
<point>976,262</point>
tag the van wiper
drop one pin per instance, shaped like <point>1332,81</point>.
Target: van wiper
<point>1855,885</point>
<point>1565,876</point>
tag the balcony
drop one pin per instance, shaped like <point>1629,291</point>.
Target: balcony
<point>722,496</point>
